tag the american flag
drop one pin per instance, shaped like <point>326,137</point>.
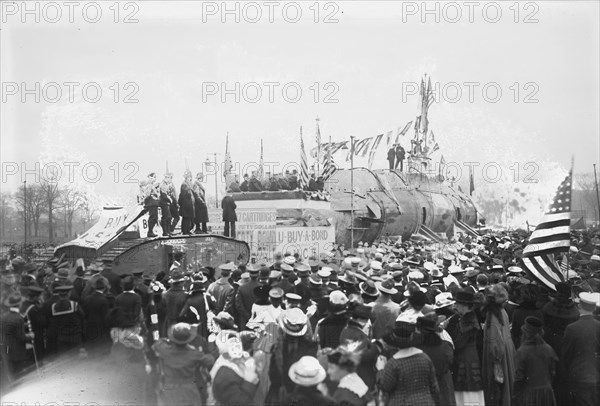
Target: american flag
<point>303,181</point>
<point>329,166</point>
<point>260,174</point>
<point>551,236</point>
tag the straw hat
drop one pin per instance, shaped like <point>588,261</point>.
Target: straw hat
<point>307,371</point>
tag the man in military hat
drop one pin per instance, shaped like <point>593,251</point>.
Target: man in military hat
<point>151,202</point>
<point>221,291</point>
<point>187,204</point>
<point>165,202</point>
<point>31,311</point>
<point>201,209</point>
<point>66,322</point>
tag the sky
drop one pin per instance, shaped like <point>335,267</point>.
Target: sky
<point>168,82</point>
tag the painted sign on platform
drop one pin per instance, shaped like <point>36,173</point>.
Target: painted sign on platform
<point>255,226</point>
<point>306,241</point>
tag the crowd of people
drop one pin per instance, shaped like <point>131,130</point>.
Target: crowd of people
<point>387,323</point>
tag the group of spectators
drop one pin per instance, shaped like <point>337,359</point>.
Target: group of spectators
<point>275,182</point>
<point>388,323</point>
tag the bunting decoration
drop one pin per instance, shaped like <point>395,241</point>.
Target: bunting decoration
<point>388,139</point>
<point>303,181</point>
<point>551,236</point>
<point>373,149</point>
<point>402,133</point>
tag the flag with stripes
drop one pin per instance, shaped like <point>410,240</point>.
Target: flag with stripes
<point>552,235</point>
<point>227,164</point>
<point>402,133</point>
<point>260,174</point>
<point>329,166</point>
<point>303,181</point>
<point>374,149</point>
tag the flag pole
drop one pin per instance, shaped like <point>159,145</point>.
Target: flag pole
<point>352,192</point>
<point>318,149</point>
<point>597,194</point>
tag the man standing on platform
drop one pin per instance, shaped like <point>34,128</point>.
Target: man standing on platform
<point>165,204</point>
<point>151,202</point>
<point>186,204</point>
<point>201,210</point>
<point>391,156</point>
<point>229,215</point>
<point>400,154</point>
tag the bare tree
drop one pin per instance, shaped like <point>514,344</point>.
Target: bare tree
<point>70,201</point>
<point>36,205</point>
<point>89,211</point>
<point>51,192</point>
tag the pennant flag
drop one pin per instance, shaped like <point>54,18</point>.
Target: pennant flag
<point>430,98</point>
<point>552,235</point>
<point>402,133</point>
<point>435,148</point>
<point>260,174</point>
<point>374,149</point>
<point>388,139</point>
<point>227,166</point>
<point>318,136</point>
<point>442,165</point>
<point>303,181</point>
<point>365,147</point>
<point>471,183</point>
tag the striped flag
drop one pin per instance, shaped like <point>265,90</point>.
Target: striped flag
<point>260,174</point>
<point>374,149</point>
<point>227,165</point>
<point>552,235</point>
<point>303,181</point>
<point>329,166</point>
<point>402,133</point>
<point>318,139</point>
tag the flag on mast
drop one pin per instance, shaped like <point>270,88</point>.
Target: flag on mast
<point>227,164</point>
<point>551,236</point>
<point>329,167</point>
<point>318,135</point>
<point>471,182</point>
<point>260,174</point>
<point>303,181</point>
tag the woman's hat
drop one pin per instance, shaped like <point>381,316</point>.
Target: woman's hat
<point>182,333</point>
<point>225,321</point>
<point>294,322</point>
<point>177,276</point>
<point>387,286</point>
<point>307,371</point>
<point>532,325</point>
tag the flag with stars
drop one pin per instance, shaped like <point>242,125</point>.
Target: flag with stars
<point>551,236</point>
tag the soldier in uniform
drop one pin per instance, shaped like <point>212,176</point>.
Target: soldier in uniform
<point>174,207</point>
<point>166,200</point>
<point>201,210</point>
<point>151,202</point>
<point>31,311</point>
<point>66,321</point>
<point>186,204</point>
<point>12,335</point>
<point>391,156</point>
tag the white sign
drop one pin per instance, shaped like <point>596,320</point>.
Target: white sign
<point>111,221</point>
<point>306,241</point>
